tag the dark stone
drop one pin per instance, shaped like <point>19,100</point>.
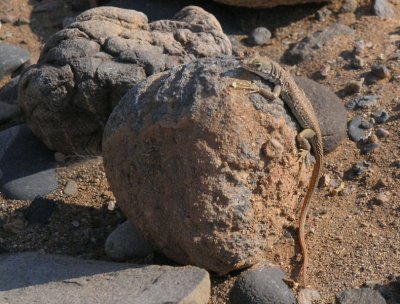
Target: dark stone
<point>362,102</point>
<point>46,7</point>
<point>384,9</point>
<point>262,285</point>
<point>380,116</point>
<point>368,148</point>
<point>9,108</point>
<point>85,69</point>
<point>11,58</point>
<point>358,169</point>
<point>360,296</point>
<point>27,166</point>
<point>305,48</point>
<point>332,115</point>
<point>40,211</point>
<point>380,71</point>
<point>356,131</point>
<point>260,36</point>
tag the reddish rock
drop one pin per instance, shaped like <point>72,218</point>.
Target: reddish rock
<point>184,153</point>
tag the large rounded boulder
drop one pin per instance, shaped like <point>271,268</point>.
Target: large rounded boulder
<point>203,169</point>
<point>86,68</point>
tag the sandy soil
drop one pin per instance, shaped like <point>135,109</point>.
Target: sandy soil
<point>352,236</point>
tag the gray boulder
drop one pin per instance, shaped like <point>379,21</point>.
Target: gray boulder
<point>37,278</point>
<point>86,68</point>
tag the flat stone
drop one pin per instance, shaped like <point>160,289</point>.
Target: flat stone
<point>356,131</point>
<point>331,114</point>
<point>27,167</point>
<point>126,242</point>
<point>71,189</point>
<point>11,58</point>
<point>305,48</point>
<point>32,277</point>
<point>262,285</point>
<point>360,296</point>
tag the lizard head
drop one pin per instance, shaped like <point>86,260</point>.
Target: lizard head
<point>258,65</point>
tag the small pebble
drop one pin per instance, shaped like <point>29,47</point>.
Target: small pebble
<point>353,86</point>
<point>368,148</point>
<point>380,116</point>
<point>349,6</point>
<point>381,198</point>
<point>366,101</point>
<point>380,132</point>
<point>325,70</point>
<point>380,71</point>
<point>357,62</point>
<point>22,21</point>
<point>323,13</point>
<point>373,139</point>
<point>59,157</point>
<point>111,205</point>
<point>71,189</point>
<point>8,19</point>
<point>356,132</point>
<point>359,169</point>
<point>308,296</point>
<point>260,36</point>
<point>75,223</point>
<point>359,47</point>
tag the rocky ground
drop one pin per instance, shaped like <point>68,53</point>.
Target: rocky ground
<point>354,221</point>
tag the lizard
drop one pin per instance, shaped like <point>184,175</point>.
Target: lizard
<point>309,138</point>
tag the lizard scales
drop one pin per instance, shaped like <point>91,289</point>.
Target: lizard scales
<point>304,113</point>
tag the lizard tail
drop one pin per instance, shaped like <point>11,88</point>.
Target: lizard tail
<point>303,216</point>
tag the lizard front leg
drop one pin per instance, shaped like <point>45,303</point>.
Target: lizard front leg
<point>247,85</point>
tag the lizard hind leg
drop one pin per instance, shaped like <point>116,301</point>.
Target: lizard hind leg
<point>305,149</point>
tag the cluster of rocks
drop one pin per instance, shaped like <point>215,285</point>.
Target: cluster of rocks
<point>191,159</point>
<point>87,67</point>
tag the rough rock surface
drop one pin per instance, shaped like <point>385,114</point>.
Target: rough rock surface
<point>331,113</point>
<point>205,171</point>
<point>37,278</point>
<point>86,68</point>
<point>265,3</point>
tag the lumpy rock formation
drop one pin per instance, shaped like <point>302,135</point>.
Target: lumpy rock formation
<point>86,68</point>
<point>204,170</point>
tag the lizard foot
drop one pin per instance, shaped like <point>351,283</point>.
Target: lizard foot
<point>245,84</point>
<point>303,159</point>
